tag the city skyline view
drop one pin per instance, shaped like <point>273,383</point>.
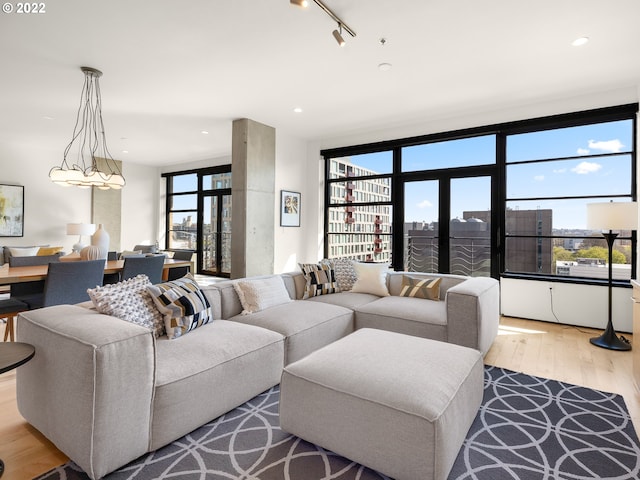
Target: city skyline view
<point>592,160</point>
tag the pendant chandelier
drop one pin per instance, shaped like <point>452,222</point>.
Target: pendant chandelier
<point>80,168</point>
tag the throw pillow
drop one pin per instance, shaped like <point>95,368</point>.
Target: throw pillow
<point>260,293</point>
<point>427,288</point>
<point>43,251</point>
<point>129,301</point>
<point>345,273</point>
<point>24,251</point>
<point>183,303</point>
<point>372,278</point>
<point>320,277</point>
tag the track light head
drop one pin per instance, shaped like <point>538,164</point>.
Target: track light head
<point>300,3</point>
<point>338,36</point>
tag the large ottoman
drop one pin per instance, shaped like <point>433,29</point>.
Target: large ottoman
<point>399,404</point>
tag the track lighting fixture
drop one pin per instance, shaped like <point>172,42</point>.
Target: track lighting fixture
<point>337,34</point>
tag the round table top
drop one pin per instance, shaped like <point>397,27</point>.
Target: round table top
<point>14,354</point>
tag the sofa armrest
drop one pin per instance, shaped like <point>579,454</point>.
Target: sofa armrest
<point>89,388</point>
<point>473,312</point>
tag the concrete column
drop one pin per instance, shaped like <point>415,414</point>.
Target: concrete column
<point>253,159</point>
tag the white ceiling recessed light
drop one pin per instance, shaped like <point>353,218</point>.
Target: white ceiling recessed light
<point>204,132</point>
<point>297,110</point>
<point>125,151</point>
<point>580,41</point>
<point>385,67</point>
<point>47,117</point>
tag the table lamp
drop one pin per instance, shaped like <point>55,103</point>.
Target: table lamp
<point>80,229</point>
<point>611,216</point>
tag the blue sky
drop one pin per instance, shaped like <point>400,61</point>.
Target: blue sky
<point>579,175</point>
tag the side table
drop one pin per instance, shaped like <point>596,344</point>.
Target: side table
<point>12,355</point>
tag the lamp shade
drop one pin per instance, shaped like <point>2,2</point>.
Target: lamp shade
<point>612,216</point>
<point>80,228</point>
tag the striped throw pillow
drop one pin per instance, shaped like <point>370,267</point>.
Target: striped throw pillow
<point>320,277</point>
<point>427,288</point>
<point>184,306</point>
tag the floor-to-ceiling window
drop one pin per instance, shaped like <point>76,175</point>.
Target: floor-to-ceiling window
<point>199,217</point>
<point>506,199</point>
<point>551,176</point>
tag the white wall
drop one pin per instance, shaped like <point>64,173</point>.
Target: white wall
<point>296,171</point>
<point>49,207</point>
<point>140,206</point>
<point>573,304</point>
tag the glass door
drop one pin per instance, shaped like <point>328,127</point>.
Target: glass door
<point>215,241</point>
<point>421,226</point>
<point>470,226</point>
<point>447,225</point>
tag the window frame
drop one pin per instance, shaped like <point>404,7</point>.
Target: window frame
<point>200,192</point>
<point>502,132</point>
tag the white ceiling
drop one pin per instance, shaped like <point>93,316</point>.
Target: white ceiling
<point>175,68</point>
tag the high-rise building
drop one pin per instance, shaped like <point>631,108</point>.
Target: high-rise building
<point>358,230</point>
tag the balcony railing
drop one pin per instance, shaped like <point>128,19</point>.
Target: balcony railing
<point>468,256</point>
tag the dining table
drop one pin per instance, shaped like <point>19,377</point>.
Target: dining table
<point>34,273</point>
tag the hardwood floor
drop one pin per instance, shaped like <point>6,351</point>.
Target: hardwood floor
<point>544,349</point>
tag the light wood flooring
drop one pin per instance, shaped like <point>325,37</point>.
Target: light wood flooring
<point>544,349</point>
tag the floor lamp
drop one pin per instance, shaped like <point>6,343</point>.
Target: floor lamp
<point>611,216</point>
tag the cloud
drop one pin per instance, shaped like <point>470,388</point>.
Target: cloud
<point>583,151</point>
<point>609,146</point>
<point>425,204</point>
<point>560,170</point>
<point>584,168</point>
<point>538,178</point>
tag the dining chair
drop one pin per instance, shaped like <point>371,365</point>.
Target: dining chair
<point>67,283</point>
<point>179,272</point>
<point>150,266</point>
<point>9,309</point>
<point>22,289</point>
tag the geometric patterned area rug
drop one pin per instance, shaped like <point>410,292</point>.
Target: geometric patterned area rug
<point>527,428</point>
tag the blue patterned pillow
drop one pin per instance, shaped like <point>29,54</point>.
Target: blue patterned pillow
<point>184,305</point>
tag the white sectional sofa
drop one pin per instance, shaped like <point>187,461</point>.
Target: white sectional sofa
<point>106,391</point>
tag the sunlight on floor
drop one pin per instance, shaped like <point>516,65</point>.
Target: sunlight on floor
<point>508,330</point>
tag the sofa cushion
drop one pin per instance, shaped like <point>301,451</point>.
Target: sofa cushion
<point>184,305</point>
<point>426,288</point>
<point>411,316</point>
<point>320,279</point>
<point>260,293</point>
<point>208,373</point>
<point>130,301</point>
<point>372,278</point>
<point>306,325</point>
<point>349,300</point>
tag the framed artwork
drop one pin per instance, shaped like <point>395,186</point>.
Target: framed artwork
<point>11,211</point>
<point>289,209</point>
